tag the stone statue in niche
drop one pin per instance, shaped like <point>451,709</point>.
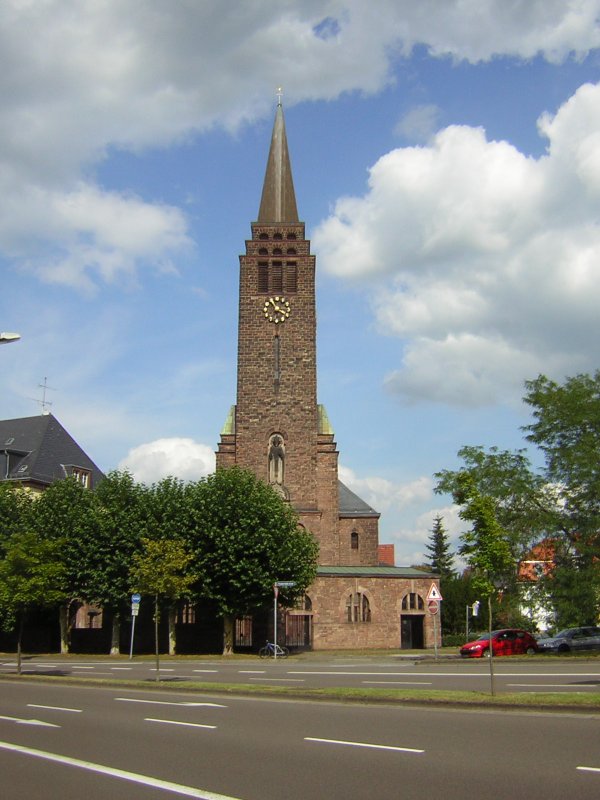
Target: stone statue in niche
<point>276,460</point>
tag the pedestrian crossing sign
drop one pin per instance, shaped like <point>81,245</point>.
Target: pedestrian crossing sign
<point>434,593</point>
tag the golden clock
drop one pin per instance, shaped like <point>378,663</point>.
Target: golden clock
<point>277,309</point>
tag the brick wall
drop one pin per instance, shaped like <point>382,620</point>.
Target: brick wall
<point>331,630</point>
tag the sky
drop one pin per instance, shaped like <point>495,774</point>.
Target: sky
<point>446,160</point>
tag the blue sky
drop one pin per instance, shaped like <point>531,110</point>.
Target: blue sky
<point>446,158</point>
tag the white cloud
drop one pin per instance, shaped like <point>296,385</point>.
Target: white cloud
<point>410,543</point>
<point>418,124</point>
<point>178,457</point>
<point>487,261</point>
<point>81,79</point>
<point>382,494</point>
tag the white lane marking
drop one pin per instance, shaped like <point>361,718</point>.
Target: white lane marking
<point>588,769</point>
<point>167,703</point>
<point>398,683</point>
<point>163,669</point>
<point>174,722</point>
<point>252,671</point>
<point>20,721</point>
<point>55,708</point>
<point>363,744</point>
<point>145,780</point>
<point>76,666</point>
<point>122,668</point>
<point>205,670</point>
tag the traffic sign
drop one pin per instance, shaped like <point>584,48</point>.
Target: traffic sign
<point>433,606</point>
<point>135,598</point>
<point>285,584</point>
<point>434,593</point>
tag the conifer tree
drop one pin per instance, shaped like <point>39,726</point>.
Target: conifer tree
<point>441,558</point>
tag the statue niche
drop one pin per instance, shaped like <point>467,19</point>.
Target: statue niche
<point>276,460</point>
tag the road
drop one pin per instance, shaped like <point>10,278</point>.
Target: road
<point>512,675</point>
<point>74,742</point>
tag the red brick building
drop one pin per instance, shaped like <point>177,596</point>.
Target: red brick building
<point>278,429</point>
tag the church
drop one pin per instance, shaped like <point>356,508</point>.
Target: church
<point>278,430</point>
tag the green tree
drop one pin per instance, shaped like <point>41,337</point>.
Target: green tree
<point>485,546</point>
<point>441,558</point>
<point>65,513</point>
<point>31,574</point>
<point>16,509</point>
<point>566,428</point>
<point>244,537</point>
<point>161,569</point>
<point>121,508</point>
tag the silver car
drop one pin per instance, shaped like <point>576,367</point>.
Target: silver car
<point>587,638</point>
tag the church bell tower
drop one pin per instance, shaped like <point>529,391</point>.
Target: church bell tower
<point>277,429</point>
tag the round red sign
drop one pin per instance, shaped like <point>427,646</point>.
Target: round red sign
<point>433,606</point>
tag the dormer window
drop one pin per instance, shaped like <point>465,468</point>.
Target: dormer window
<point>81,475</point>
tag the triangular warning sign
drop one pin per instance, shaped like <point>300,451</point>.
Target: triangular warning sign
<point>434,593</point>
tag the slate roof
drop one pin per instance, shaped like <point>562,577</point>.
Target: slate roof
<point>38,450</point>
<point>351,505</point>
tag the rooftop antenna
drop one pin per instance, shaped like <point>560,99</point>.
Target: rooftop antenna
<point>43,403</point>
<point>279,95</point>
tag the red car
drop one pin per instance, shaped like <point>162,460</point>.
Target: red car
<point>506,642</point>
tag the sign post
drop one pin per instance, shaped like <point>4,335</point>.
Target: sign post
<point>434,599</point>
<point>135,610</point>
<point>276,586</point>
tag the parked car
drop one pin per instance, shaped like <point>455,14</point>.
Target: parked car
<point>586,638</point>
<point>505,642</point>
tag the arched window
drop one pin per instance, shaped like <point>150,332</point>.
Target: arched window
<point>358,608</point>
<point>263,236</point>
<point>277,251</point>
<point>263,251</point>
<point>277,236</point>
<point>354,540</point>
<point>291,236</point>
<point>413,602</point>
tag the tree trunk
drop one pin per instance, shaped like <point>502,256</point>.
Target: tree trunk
<point>115,635</point>
<point>19,640</point>
<point>65,631</point>
<point>172,633</point>
<point>228,635</point>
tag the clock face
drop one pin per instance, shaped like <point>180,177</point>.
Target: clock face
<point>277,309</point>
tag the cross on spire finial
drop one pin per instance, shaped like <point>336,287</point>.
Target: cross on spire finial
<point>279,95</point>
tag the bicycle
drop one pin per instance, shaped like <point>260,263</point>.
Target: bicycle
<point>271,650</point>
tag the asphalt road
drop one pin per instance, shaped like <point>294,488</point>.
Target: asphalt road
<point>90,743</point>
<point>560,674</point>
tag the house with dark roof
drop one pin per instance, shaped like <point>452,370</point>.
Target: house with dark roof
<point>37,451</point>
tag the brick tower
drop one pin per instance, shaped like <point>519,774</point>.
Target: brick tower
<point>279,431</point>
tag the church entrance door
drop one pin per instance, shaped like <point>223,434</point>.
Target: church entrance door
<point>411,631</point>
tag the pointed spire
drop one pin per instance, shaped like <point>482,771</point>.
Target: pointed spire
<point>278,201</point>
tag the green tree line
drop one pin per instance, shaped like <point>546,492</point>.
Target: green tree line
<point>226,538</point>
